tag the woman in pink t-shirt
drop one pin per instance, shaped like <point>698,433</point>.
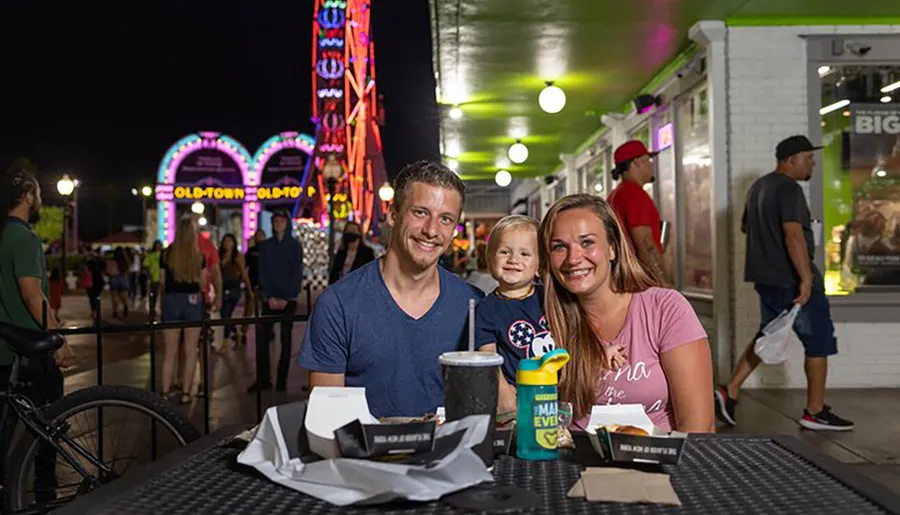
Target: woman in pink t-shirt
<point>631,342</point>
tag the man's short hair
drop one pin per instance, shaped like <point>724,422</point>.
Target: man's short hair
<point>426,172</point>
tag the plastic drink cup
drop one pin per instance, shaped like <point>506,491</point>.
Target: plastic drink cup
<point>470,388</point>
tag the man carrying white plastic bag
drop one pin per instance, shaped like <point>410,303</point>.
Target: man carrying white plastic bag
<point>772,346</point>
<point>781,244</point>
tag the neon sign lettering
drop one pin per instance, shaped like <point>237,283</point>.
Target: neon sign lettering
<point>279,192</point>
<point>208,193</point>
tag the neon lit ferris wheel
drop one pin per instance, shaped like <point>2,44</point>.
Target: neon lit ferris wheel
<point>346,110</point>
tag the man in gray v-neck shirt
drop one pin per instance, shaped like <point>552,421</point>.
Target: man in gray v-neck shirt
<point>780,264</point>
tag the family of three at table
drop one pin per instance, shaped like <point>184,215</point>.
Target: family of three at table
<point>384,326</point>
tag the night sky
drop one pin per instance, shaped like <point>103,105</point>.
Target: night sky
<point>102,89</point>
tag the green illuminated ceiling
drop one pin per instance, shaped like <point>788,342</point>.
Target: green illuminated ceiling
<point>492,57</point>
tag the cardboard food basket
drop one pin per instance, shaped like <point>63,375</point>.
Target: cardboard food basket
<point>659,447</point>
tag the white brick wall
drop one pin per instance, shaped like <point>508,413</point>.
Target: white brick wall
<point>767,95</point>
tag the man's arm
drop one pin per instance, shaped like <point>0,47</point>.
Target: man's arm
<point>323,379</point>
<point>648,252</point>
<point>325,347</point>
<point>34,299</point>
<point>796,247</point>
<point>792,211</point>
<point>265,285</point>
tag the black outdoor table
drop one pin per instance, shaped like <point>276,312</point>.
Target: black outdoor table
<point>717,474</point>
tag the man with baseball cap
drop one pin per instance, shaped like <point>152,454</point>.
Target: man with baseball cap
<point>635,208</point>
<point>280,282</point>
<point>780,264</point>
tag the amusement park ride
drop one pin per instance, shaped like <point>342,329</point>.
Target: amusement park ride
<point>333,176</point>
<point>346,110</point>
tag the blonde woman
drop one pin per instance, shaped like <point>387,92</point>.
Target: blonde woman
<point>631,341</point>
<point>182,272</point>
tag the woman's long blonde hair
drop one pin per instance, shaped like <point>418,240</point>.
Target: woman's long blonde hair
<point>567,319</point>
<point>183,256</point>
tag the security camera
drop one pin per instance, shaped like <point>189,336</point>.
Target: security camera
<point>858,49</point>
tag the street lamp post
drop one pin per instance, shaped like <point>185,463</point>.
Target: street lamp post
<point>144,193</point>
<point>332,172</point>
<point>68,188</point>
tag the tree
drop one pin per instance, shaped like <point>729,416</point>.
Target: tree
<point>23,163</point>
<point>50,226</point>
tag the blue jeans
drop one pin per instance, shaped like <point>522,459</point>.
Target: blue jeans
<point>813,325</point>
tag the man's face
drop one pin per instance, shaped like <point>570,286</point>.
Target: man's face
<point>279,224</point>
<point>422,228</point>
<point>641,169</point>
<point>803,164</point>
<point>34,209</point>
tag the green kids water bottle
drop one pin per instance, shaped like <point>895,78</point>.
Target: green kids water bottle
<point>537,421</point>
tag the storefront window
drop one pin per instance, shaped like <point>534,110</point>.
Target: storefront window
<point>861,177</point>
<point>695,183</point>
<point>599,170</point>
<point>559,191</point>
<point>663,139</point>
<point>581,178</point>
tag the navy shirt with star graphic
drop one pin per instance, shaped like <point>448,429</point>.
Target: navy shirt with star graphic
<point>518,327</point>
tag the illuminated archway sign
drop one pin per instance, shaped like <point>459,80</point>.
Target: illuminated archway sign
<point>286,156</point>
<point>251,193</point>
<point>168,193</point>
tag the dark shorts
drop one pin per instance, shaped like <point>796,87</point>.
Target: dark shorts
<point>813,325</point>
<point>119,283</point>
<point>182,307</point>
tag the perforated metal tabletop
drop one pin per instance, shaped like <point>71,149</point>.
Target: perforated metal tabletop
<point>717,474</point>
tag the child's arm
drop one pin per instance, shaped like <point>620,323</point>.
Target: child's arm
<point>506,394</point>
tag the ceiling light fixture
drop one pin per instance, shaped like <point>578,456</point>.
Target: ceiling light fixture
<point>552,99</point>
<point>886,99</point>
<point>891,87</point>
<point>834,107</point>
<point>823,70</point>
<point>456,113</point>
<point>503,178</point>
<point>518,152</point>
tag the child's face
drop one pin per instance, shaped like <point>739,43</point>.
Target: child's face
<point>515,263</point>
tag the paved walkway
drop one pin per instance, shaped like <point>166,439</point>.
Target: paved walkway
<point>873,449</point>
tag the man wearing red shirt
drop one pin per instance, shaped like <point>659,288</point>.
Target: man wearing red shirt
<point>213,273</point>
<point>635,208</point>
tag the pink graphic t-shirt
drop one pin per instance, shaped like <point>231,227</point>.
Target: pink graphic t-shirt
<point>658,320</point>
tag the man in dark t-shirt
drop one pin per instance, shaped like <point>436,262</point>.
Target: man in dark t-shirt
<point>780,264</point>
<point>384,325</point>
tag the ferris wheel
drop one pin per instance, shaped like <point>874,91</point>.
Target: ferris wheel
<point>347,112</point>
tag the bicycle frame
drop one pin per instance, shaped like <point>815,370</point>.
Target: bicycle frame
<point>44,430</point>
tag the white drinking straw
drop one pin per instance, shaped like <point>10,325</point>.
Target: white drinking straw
<point>471,325</point>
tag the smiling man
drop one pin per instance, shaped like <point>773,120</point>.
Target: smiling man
<point>384,325</point>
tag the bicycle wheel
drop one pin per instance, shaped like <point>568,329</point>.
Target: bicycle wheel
<point>174,428</point>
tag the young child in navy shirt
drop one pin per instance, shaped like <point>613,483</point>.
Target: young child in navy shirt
<point>511,320</point>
